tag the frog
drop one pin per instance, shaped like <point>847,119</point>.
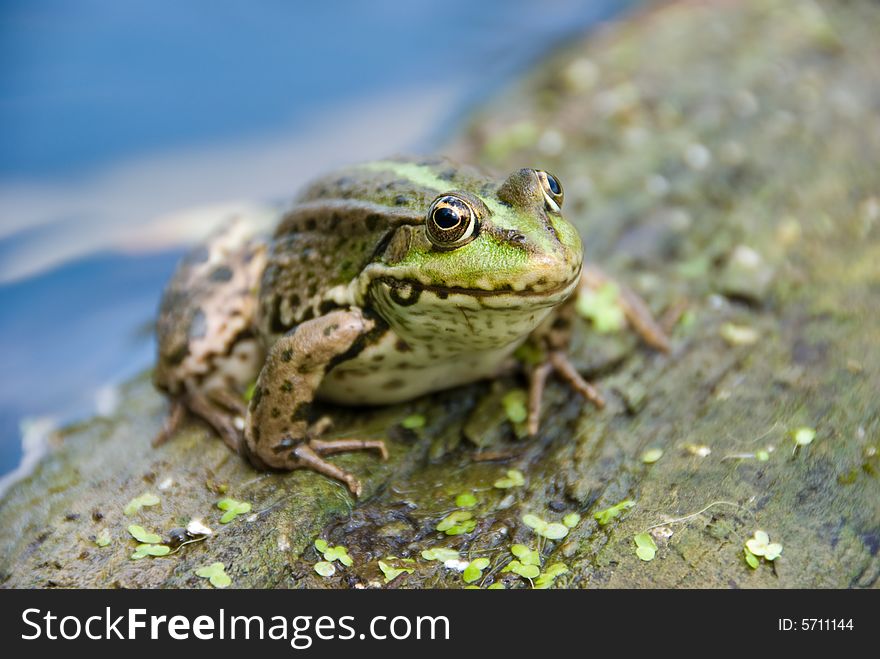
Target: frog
<point>381,282</point>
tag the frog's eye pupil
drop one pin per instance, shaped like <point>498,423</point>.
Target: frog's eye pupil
<point>446,218</point>
<point>451,222</point>
<point>552,189</point>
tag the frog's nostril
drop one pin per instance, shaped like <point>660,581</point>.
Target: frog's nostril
<point>516,237</point>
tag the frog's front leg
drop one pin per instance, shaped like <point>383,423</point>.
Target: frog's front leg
<point>277,431</point>
<point>555,337</point>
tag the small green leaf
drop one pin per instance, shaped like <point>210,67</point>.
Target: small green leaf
<point>602,308</point>
<point>249,392</point>
<point>514,403</point>
<point>571,520</point>
<point>496,586</point>
<point>553,531</point>
<point>133,506</point>
<point>739,335</point>
<point>144,550</point>
<point>525,555</point>
<point>514,478</point>
<point>762,456</point>
<point>414,422</point>
<point>803,436</point>
<point>325,568</point>
<point>474,571</point>
<point>609,514</point>
<point>457,523</point>
<point>441,554</point>
<point>391,571</point>
<point>321,545</point>
<point>215,573</point>
<point>466,500</point>
<point>103,538</point>
<point>142,535</point>
<point>652,455</point>
<point>527,571</point>
<point>646,553</point>
<point>548,576</point>
<point>533,521</point>
<point>233,509</point>
<point>646,548</point>
<point>338,553</point>
<point>751,559</point>
<point>772,551</point>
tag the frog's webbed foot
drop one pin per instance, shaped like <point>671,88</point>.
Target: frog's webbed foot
<point>556,361</point>
<point>309,455</point>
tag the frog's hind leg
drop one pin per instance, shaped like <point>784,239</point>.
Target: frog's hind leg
<point>634,308</point>
<point>277,432</point>
<point>224,414</point>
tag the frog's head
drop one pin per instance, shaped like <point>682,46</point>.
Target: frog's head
<point>487,264</point>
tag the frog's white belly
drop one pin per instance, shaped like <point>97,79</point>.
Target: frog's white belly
<point>435,343</point>
<point>382,374</point>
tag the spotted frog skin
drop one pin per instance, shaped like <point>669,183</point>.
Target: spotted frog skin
<point>383,282</point>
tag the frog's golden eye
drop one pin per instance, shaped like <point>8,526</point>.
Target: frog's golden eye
<point>451,222</point>
<point>552,188</point>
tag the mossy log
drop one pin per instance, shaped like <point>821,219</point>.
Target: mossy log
<point>721,158</point>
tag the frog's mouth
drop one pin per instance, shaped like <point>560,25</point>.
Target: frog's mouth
<point>408,292</point>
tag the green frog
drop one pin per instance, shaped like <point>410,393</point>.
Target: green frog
<point>382,282</point>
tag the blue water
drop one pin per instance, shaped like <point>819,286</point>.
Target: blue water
<point>87,85</point>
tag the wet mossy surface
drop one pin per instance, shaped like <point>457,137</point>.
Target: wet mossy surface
<point>725,162</point>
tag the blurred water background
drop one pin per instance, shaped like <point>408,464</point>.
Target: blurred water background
<point>116,116</point>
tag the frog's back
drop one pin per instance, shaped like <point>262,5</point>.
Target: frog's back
<point>339,224</point>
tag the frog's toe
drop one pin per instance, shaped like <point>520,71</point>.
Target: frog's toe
<point>172,422</point>
<point>328,447</point>
<point>558,362</point>
<point>306,456</point>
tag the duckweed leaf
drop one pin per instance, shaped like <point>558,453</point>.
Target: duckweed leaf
<point>739,335</point>
<point>457,523</point>
<point>751,559</point>
<point>762,456</point>
<point>548,576</point>
<point>321,545</point>
<point>466,500</point>
<point>760,545</point>
<point>133,506</point>
<point>144,550</point>
<point>103,538</point>
<point>338,553</point>
<point>514,478</point>
<point>525,555</point>
<point>571,520</point>
<point>474,571</point>
<point>652,455</point>
<point>414,422</point>
<point>143,536</point>
<point>527,571</point>
<point>646,548</point>
<point>391,571</point>
<point>325,568</point>
<point>441,554</point>
<point>803,436</point>
<point>496,586</point>
<point>602,308</point>
<point>606,516</point>
<point>514,403</point>
<point>215,573</point>
<point>233,509</point>
<point>553,531</point>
